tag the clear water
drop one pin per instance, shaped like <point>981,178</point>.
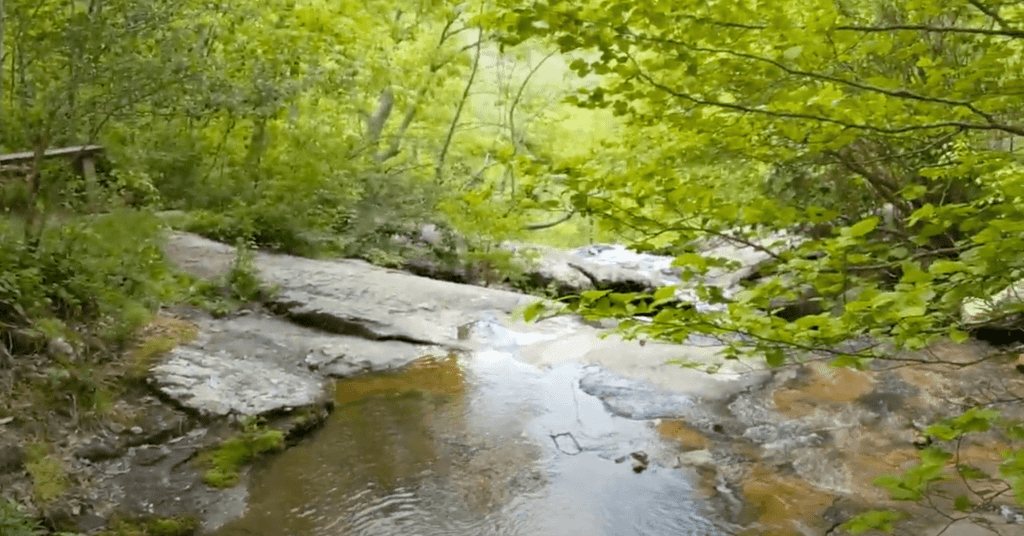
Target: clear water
<point>480,445</point>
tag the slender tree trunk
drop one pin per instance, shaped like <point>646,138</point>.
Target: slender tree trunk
<point>439,169</point>
<point>3,56</point>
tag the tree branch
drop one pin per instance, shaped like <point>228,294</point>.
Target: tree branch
<point>1019,131</point>
<point>1015,34</point>
<point>547,225</point>
<point>438,169</point>
<point>992,13</point>
<point>899,93</point>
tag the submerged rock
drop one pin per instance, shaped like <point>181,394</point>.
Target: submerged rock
<point>633,399</point>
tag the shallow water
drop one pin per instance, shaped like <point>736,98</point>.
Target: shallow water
<point>478,445</point>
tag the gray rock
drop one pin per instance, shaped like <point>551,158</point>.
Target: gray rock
<point>12,458</point>
<point>99,449</point>
<point>150,455</point>
<point>348,356</point>
<point>257,363</point>
<point>697,458</point>
<point>633,399</point>
<point>549,266</point>
<point>220,383</point>
<point>166,485</point>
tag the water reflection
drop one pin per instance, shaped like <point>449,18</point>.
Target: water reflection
<point>453,448</point>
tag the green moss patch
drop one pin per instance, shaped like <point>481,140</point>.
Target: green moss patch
<point>162,526</point>
<point>226,461</point>
<point>49,479</point>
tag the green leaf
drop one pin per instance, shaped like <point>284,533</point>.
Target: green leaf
<point>533,310</point>
<point>958,336</point>
<point>775,357</point>
<point>863,227</point>
<point>665,293</point>
<point>873,520</point>
<point>942,432</point>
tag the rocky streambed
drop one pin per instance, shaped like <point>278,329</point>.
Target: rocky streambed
<point>420,406</point>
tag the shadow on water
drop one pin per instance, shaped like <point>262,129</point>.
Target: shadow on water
<point>464,446</point>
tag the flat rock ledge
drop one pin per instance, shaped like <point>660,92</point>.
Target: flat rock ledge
<point>220,383</point>
<point>256,363</point>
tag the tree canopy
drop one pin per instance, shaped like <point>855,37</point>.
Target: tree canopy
<point>896,126</point>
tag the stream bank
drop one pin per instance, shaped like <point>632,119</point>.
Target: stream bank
<point>413,400</point>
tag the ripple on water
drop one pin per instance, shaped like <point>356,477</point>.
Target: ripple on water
<point>464,447</point>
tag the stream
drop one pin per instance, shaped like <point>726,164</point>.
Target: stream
<point>479,444</point>
<point>451,417</point>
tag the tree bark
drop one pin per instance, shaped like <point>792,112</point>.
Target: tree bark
<point>375,123</point>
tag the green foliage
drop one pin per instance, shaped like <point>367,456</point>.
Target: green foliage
<point>227,460</point>
<point>15,522</point>
<point>916,177</point>
<point>940,463</point>
<point>106,268</point>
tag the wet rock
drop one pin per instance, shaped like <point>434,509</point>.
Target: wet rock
<point>552,267</point>
<point>348,356</point>
<point>782,437</point>
<point>159,481</point>
<point>640,461</point>
<point>100,449</point>
<point>12,458</point>
<point>697,458</point>
<point>427,266</point>
<point>597,266</point>
<point>633,399</point>
<point>1012,515</point>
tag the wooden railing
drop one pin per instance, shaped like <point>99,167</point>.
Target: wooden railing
<point>84,155</point>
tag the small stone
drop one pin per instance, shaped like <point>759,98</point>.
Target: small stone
<point>60,348</point>
<point>640,461</point>
<point>136,429</point>
<point>117,428</point>
<point>922,441</point>
<point>11,459</point>
<point>1011,515</point>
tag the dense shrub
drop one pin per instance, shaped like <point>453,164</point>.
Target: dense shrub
<point>107,267</point>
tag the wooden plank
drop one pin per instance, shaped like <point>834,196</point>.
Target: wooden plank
<point>84,150</point>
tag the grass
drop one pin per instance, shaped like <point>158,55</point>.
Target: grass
<point>162,335</point>
<point>15,522</point>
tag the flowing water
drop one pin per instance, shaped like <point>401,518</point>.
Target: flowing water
<point>479,444</point>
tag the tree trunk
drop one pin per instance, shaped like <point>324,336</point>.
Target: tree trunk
<point>3,56</point>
